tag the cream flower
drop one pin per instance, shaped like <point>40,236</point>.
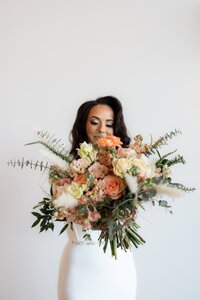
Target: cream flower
<point>121,166</point>
<point>146,166</point>
<point>87,150</point>
<point>65,200</point>
<point>76,189</point>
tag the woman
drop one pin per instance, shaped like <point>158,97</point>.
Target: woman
<point>86,272</point>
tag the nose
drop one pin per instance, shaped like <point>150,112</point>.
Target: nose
<point>102,128</point>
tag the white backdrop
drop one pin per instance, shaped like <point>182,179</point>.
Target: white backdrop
<point>56,54</point>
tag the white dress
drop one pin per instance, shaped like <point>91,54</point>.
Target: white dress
<point>87,273</point>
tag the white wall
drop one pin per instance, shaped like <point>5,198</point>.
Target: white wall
<point>56,54</point>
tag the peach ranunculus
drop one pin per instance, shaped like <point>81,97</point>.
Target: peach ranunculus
<point>109,141</point>
<point>113,186</point>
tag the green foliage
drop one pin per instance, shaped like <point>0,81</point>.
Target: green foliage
<point>82,210</point>
<point>53,145</point>
<point>162,141</point>
<point>169,162</point>
<point>163,203</point>
<point>87,237</point>
<point>57,174</point>
<point>44,217</point>
<point>29,163</point>
<point>182,187</point>
<point>64,228</point>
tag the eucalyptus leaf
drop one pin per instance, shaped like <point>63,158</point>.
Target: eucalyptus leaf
<point>163,203</point>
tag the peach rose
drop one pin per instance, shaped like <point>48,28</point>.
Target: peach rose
<point>113,186</point>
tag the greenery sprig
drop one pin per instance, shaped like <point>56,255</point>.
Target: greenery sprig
<point>162,141</point>
<point>29,163</point>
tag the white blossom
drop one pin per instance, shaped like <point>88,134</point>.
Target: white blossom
<point>65,200</point>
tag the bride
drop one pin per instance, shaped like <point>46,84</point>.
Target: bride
<point>86,272</point>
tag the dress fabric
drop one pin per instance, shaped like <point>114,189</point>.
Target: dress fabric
<point>87,273</point>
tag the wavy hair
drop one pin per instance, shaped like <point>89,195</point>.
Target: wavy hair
<point>78,133</point>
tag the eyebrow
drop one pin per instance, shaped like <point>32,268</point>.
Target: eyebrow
<point>99,118</point>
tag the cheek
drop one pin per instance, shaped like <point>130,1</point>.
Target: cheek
<point>110,130</point>
<point>89,129</point>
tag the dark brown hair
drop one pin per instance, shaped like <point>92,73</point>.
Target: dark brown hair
<point>78,133</point>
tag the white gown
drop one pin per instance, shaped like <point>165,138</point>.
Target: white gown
<point>87,273</point>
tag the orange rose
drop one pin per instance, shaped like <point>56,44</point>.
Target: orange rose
<point>113,186</point>
<point>109,141</point>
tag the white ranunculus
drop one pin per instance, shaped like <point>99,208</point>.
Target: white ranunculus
<point>65,200</point>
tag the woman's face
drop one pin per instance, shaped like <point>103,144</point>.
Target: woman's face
<point>100,122</point>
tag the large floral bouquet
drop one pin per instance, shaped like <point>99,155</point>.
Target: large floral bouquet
<point>105,186</point>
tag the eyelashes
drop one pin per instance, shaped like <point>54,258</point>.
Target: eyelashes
<point>96,123</point>
<point>93,123</point>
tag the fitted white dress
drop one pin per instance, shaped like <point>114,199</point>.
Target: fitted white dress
<point>87,273</point>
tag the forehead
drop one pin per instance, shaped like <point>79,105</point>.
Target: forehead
<point>101,111</point>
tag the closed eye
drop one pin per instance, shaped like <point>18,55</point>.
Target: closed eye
<point>93,123</point>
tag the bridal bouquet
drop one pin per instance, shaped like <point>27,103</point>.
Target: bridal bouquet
<point>105,186</point>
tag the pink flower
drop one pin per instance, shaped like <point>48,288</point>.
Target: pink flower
<point>104,158</point>
<point>113,186</point>
<point>98,170</point>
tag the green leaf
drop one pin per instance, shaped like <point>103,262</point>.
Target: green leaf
<point>163,203</point>
<point>64,228</point>
<point>51,226</point>
<point>37,215</point>
<point>87,237</point>
<point>151,192</point>
<point>81,210</point>
<point>35,223</point>
<point>43,223</point>
<point>42,228</point>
